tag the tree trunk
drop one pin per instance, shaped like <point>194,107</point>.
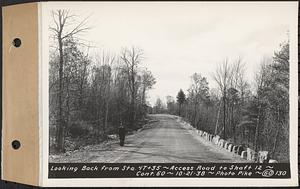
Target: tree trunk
<point>195,114</point>
<point>257,129</point>
<point>105,121</point>
<point>81,92</point>
<point>224,120</point>
<point>107,107</point>
<point>218,116</point>
<point>277,133</point>
<point>233,123</point>
<point>144,102</point>
<point>132,116</point>
<point>275,142</point>
<point>60,130</point>
<point>67,114</point>
<point>186,112</point>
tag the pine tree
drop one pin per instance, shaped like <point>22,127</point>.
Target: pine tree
<point>180,100</point>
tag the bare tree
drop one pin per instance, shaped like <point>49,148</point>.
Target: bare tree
<point>236,93</point>
<point>222,77</point>
<point>148,81</point>
<point>102,83</point>
<point>65,26</point>
<point>260,83</point>
<point>198,92</point>
<point>132,58</point>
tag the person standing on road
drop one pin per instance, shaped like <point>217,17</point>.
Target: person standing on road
<point>122,134</point>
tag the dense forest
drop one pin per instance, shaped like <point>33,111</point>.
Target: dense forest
<point>255,115</point>
<point>91,96</point>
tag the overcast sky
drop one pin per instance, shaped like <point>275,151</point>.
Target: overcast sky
<point>181,39</point>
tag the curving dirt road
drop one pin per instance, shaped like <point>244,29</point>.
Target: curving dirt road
<point>165,140</point>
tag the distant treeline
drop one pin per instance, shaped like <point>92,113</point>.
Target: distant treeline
<point>91,96</point>
<point>256,115</point>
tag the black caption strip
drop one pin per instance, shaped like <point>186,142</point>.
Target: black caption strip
<point>144,170</point>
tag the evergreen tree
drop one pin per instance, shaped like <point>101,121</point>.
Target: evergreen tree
<point>180,100</point>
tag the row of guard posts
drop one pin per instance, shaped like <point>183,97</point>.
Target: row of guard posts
<point>245,153</point>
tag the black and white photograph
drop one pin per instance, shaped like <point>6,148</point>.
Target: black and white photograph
<point>169,82</point>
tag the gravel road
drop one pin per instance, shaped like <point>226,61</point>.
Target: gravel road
<point>164,140</point>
